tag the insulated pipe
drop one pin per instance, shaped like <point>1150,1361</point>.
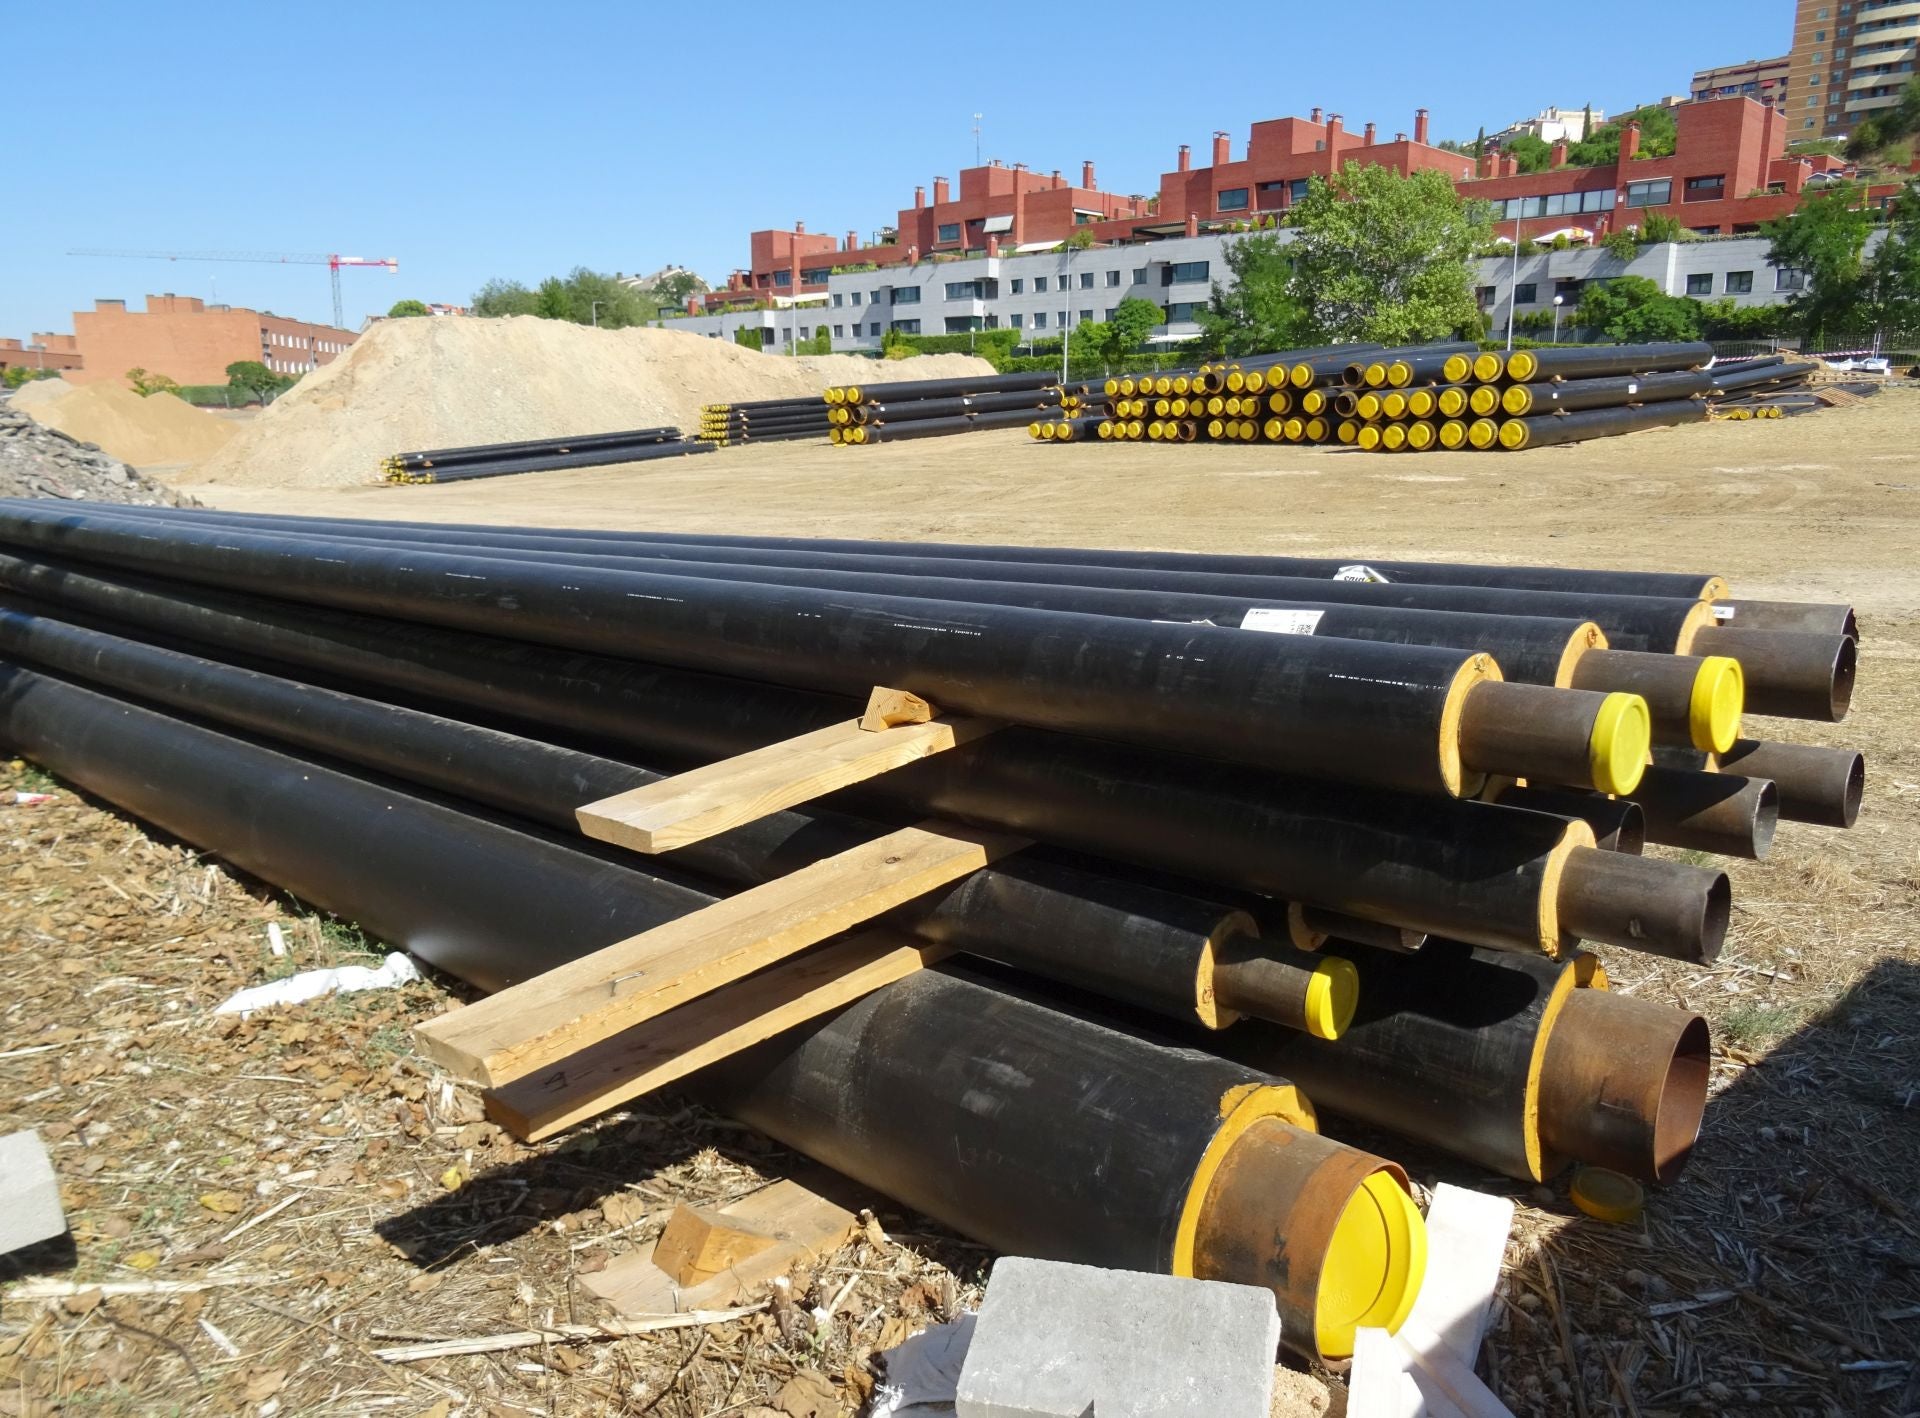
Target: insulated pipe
<point>492,905</point>
<point>934,428</point>
<point>1624,1084</point>
<point>1545,431</point>
<point>1570,737</point>
<point>1311,927</point>
<point>1722,813</point>
<point>559,444</point>
<point>1361,710</point>
<point>1141,944</point>
<point>1519,400</point>
<point>1790,673</point>
<point>1308,370</point>
<point>1653,620</point>
<point>466,472</point>
<point>1484,401</point>
<point>1663,908</point>
<point>1619,824</point>
<point>1810,617</point>
<point>1694,700</point>
<point>1524,366</point>
<point>1462,1049</point>
<point>938,388</point>
<point>1045,1134</point>
<point>1470,870</point>
<point>1822,786</point>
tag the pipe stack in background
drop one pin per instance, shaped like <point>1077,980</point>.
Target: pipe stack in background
<point>931,408</point>
<point>763,421</point>
<point>535,455</point>
<point>1306,831</point>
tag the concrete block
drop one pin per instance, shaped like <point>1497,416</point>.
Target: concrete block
<point>29,1193</point>
<point>1069,1341</point>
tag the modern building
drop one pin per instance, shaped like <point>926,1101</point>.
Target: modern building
<point>1551,125</point>
<point>41,351</point>
<point>1762,79</point>
<point>1850,60</point>
<point>186,339</point>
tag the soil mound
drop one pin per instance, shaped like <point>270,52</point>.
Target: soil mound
<point>156,430</point>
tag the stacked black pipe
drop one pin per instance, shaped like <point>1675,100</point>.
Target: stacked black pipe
<point>764,421</point>
<point>930,408</point>
<point>535,455</point>
<point>397,721</point>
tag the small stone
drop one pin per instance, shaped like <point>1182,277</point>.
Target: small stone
<point>1540,1196</point>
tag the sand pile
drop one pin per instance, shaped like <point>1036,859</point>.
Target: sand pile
<point>36,392</point>
<point>147,432</point>
<point>437,383</point>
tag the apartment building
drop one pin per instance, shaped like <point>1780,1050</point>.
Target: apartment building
<point>1762,79</point>
<point>1850,60</point>
<point>192,342</point>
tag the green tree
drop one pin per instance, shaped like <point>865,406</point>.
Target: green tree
<point>1586,121</point>
<point>15,375</point>
<point>502,297</point>
<point>144,383</point>
<point>1823,238</point>
<point>1480,143</point>
<point>1863,140</point>
<point>582,296</point>
<point>750,337</point>
<point>1257,314</point>
<point>1633,310</point>
<point>677,288</point>
<point>1102,343</point>
<point>822,342</point>
<point>1383,257</point>
<point>1533,154</point>
<point>1602,147</point>
<point>1893,275</point>
<point>1622,245</point>
<point>403,308</point>
<point>1657,227</point>
<point>252,380</point>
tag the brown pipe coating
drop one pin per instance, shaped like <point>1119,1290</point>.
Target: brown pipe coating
<point>1297,989</point>
<point>1662,908</point>
<point>1791,673</point>
<point>1822,786</point>
<point>1812,617</point>
<point>1722,813</point>
<point>1534,732</point>
<point>1624,1084</point>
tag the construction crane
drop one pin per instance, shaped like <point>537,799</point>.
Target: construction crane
<point>271,258</point>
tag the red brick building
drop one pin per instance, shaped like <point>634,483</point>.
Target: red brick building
<point>1728,173</point>
<point>41,351</point>
<point>183,337</point>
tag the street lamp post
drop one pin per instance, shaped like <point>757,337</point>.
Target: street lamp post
<point>1558,301</point>
<point>594,312</point>
<point>1513,283</point>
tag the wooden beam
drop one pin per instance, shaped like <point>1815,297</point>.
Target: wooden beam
<point>654,1054</point>
<point>542,1020</point>
<point>704,802</point>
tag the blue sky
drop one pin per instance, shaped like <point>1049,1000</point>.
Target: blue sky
<point>481,139</point>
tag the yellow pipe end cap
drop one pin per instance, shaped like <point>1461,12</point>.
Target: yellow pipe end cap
<point>1369,438</point>
<point>1301,377</point>
<point>1517,400</point>
<point>1487,367</point>
<point>1608,1196</point>
<point>1453,434</point>
<point>1399,374</point>
<point>1373,1267</point>
<point>1456,369</point>
<point>1483,433</point>
<point>1522,364</point>
<point>1376,375</point>
<point>1719,698</point>
<point>1333,992</point>
<point>1513,433</point>
<point>1619,745</point>
<point>850,394</point>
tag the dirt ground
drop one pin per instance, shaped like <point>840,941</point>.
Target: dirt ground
<point>329,1191</point>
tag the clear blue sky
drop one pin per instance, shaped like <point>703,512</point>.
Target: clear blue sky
<point>483,139</point>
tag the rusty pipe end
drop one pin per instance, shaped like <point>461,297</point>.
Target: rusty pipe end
<point>1584,738</point>
<point>1789,673</point>
<point>1639,903</point>
<point>1624,1084</point>
<point>1823,786</point>
<point>1723,813</point>
<point>1285,984</point>
<point>1332,1231</point>
<point>1820,617</point>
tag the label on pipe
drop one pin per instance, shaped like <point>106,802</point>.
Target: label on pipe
<point>1724,612</point>
<point>1278,620</point>
<point>1358,572</point>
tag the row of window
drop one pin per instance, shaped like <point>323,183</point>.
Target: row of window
<point>1557,204</point>
<point>1699,283</point>
<point>987,288</point>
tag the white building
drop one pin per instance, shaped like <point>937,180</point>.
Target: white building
<point>1550,125</point>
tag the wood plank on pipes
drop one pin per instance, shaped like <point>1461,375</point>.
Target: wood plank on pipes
<point>542,1020</point>
<point>897,728</point>
<point>660,1051</point>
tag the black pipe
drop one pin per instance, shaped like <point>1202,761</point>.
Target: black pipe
<point>1723,813</point>
<point>1524,366</point>
<point>1365,711</point>
<point>1819,785</point>
<point>559,443</point>
<point>1815,617</point>
<point>608,457</point>
<point>1547,430</point>
<point>1609,392</point>
<point>935,428</point>
<point>1794,674</point>
<point>1619,824</point>
<point>936,388</point>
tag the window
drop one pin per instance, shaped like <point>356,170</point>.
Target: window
<point>1019,285</point>
<point>1086,280</point>
<point>816,277</point>
<point>783,278</point>
<point>1297,189</point>
<point>1270,195</point>
<point>1185,310</point>
<point>1063,320</point>
<point>906,295</point>
<point>1181,271</point>
<point>1039,319</point>
<point>856,297</point>
<point>1700,283</point>
<point>1109,314</point>
<point>837,298</point>
<point>957,324</point>
<point>1016,320</point>
<point>1062,280</point>
<point>805,333</point>
<point>1788,279</point>
<point>1655,193</point>
<point>949,231</point>
<point>963,290</point>
<point>1739,283</point>
<point>1233,199</point>
<point>907,327</point>
<point>1526,294</point>
<point>1139,275</point>
<point>1113,279</point>
<point>839,332</point>
<point>1086,316</point>
<point>1483,296</point>
<point>1705,189</point>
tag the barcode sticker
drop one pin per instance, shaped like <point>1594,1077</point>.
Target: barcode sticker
<point>1278,621</point>
<point>1724,612</point>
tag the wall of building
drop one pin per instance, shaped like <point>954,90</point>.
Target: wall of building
<point>191,342</point>
<point>1849,61</point>
<point>41,352</point>
<point>1764,80</point>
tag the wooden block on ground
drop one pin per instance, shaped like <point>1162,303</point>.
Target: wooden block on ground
<point>703,802</point>
<point>542,1020</point>
<point>696,1246</point>
<point>801,1221</point>
<point>659,1051</point>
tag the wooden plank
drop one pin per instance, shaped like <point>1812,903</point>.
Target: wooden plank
<point>704,802</point>
<point>653,1054</point>
<point>802,1224</point>
<point>542,1020</point>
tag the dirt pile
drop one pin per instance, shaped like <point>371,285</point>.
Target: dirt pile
<point>36,392</point>
<point>435,383</point>
<point>156,430</point>
<point>36,461</point>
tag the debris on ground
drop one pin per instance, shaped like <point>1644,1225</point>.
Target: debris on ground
<point>29,1194</point>
<point>144,430</point>
<point>39,461</point>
